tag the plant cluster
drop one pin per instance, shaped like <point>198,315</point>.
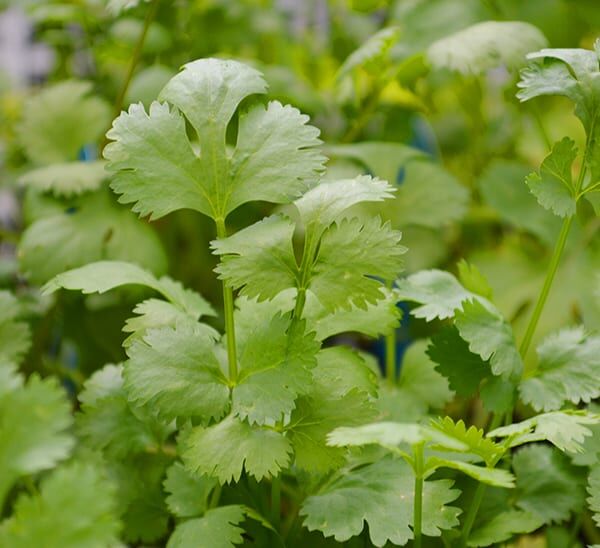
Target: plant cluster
<point>270,424</point>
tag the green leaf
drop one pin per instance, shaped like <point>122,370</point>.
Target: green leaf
<point>553,186</point>
<point>501,186</point>
<point>486,45</point>
<point>593,489</point>
<point>472,437</point>
<point>351,253</point>
<point>339,396</point>
<point>275,364</point>
<point>117,6</point>
<point>176,373</point>
<point>490,476</point>
<point>15,336</point>
<point>107,421</point>
<point>565,429</point>
<point>489,336</point>
<point>188,495</point>
<point>326,202</point>
<point>473,280</point>
<point>218,528</point>
<point>380,494</point>
<point>60,120</point>
<point>87,230</point>
<point>74,508</point>
<point>66,179</point>
<point>379,318</point>
<point>567,371</point>
<point>548,485</point>
<point>102,276</point>
<point>34,420</point>
<point>273,160</point>
<point>372,53</point>
<point>225,449</point>
<point>438,292</point>
<point>463,369</point>
<point>259,259</point>
<point>503,526</point>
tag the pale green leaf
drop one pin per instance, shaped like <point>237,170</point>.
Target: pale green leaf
<point>90,229</point>
<point>593,489</point>
<point>34,422</point>
<point>225,449</point>
<point>567,370</point>
<point>60,120</point>
<point>66,179</point>
<point>553,186</point>
<point>486,45</point>
<point>438,293</point>
<point>274,369</point>
<point>259,259</point>
<point>188,495</point>
<point>326,202</point>
<point>350,255</point>
<point>108,422</point>
<point>158,168</point>
<point>380,494</point>
<point>565,429</point>
<point>496,477</point>
<point>372,53</point>
<point>15,336</point>
<point>75,508</point>
<point>176,373</point>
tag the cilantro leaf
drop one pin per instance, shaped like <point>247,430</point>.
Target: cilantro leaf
<point>53,518</point>
<point>274,369</point>
<point>259,259</point>
<point>224,449</point>
<point>593,489</point>
<point>108,422</point>
<point>438,292</point>
<point>489,336</point>
<point>380,494</point>
<point>326,202</point>
<point>567,371</point>
<point>176,372</point>
<point>350,254</point>
<point>60,120</point>
<point>188,495</point>
<point>565,429</point>
<point>89,229</point>
<point>273,160</point>
<point>553,186</point>
<point>66,179</point>
<point>503,526</point>
<point>548,485</point>
<point>15,335</point>
<point>34,422</point>
<point>486,45</point>
<point>464,369</point>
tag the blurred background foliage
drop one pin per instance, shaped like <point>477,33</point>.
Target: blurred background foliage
<point>394,92</point>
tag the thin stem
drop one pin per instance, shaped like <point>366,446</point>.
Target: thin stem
<point>228,310</point>
<point>135,56</point>
<point>390,352</point>
<point>304,273</point>
<point>276,502</point>
<point>472,513</point>
<point>418,496</point>
<point>550,274</point>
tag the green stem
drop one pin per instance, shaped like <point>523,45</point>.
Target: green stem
<point>304,273</point>
<point>550,274</point>
<point>390,352</point>
<point>135,56</point>
<point>276,502</point>
<point>418,496</point>
<point>215,496</point>
<point>472,513</point>
<point>228,310</point>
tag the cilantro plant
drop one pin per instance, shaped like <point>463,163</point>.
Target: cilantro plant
<point>140,407</point>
